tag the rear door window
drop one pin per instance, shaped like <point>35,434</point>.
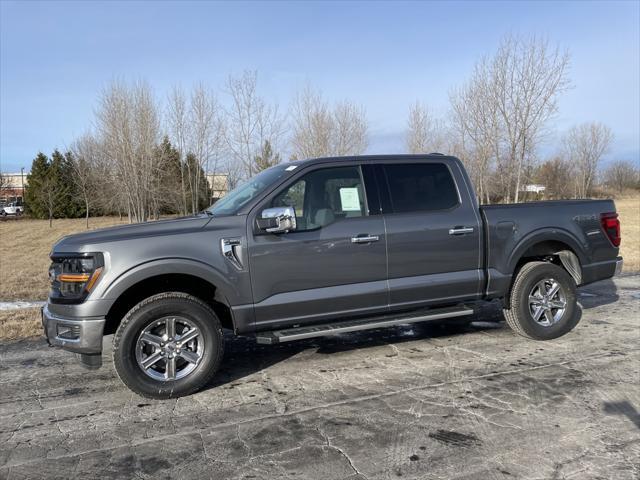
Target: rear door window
<point>421,187</point>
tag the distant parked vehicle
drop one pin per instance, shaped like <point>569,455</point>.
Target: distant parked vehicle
<point>13,208</point>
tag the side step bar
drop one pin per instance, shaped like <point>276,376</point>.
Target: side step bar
<point>301,333</point>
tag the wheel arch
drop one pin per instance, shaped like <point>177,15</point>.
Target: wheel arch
<point>554,246</point>
<point>147,280</point>
<point>550,242</point>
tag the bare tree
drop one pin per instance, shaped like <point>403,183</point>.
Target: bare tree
<point>319,130</point>
<point>251,122</point>
<point>528,77</point>
<point>128,122</point>
<point>177,123</point>
<point>622,175</point>
<point>554,175</point>
<point>207,139</point>
<point>350,129</point>
<point>85,153</point>
<point>4,181</point>
<point>505,107</point>
<point>585,145</point>
<point>477,123</point>
<point>312,125</point>
<point>425,133</point>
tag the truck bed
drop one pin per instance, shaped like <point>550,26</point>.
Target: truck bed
<point>513,229</point>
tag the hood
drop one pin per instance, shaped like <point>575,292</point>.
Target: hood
<point>72,243</point>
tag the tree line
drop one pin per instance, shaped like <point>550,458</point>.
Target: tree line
<point>145,157</point>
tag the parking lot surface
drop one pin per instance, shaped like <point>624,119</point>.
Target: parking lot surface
<point>427,401</point>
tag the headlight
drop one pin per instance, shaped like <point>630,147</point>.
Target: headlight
<point>74,276</point>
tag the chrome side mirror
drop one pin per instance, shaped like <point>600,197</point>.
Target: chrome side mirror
<point>278,220</point>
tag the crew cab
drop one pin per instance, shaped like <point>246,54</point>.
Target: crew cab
<point>320,247</point>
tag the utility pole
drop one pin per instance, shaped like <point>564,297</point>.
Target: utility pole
<point>21,185</point>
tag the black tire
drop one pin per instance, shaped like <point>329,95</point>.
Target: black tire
<point>142,317</point>
<point>520,317</point>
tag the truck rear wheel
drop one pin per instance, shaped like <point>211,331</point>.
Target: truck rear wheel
<point>169,345</point>
<point>543,302</point>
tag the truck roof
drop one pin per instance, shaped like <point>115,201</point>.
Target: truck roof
<point>386,157</point>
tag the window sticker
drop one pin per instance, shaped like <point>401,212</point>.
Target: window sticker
<point>350,199</point>
<point>291,167</point>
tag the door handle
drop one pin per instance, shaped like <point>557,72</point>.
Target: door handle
<point>460,230</point>
<point>365,239</point>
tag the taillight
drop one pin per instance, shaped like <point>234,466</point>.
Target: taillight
<point>611,226</point>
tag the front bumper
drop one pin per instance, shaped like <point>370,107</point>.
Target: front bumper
<point>76,335</point>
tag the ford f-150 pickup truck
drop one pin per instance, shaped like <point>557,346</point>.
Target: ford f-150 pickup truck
<point>321,247</point>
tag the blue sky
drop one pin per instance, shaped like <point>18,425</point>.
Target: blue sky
<point>55,57</point>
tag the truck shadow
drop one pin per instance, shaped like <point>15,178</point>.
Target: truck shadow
<point>243,357</point>
<point>624,408</point>
<point>598,294</point>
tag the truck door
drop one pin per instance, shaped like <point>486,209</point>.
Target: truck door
<point>333,264</point>
<point>433,233</point>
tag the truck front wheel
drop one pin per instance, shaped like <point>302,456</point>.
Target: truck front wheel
<point>169,345</point>
<point>543,302</point>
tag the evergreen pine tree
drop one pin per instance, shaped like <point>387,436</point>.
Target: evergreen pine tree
<point>33,201</point>
<point>171,200</point>
<point>267,158</point>
<point>203,190</point>
<point>61,184</point>
<point>71,204</point>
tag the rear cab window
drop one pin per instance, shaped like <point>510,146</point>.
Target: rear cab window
<point>420,187</point>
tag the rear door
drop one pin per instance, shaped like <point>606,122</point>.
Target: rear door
<point>333,264</point>
<point>433,233</point>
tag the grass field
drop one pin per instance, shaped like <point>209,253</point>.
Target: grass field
<point>21,323</point>
<point>26,244</point>
<point>24,261</point>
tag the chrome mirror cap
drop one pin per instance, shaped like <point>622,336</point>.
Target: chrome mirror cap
<point>283,219</point>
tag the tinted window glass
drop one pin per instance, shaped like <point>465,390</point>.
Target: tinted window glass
<point>324,196</point>
<point>418,187</point>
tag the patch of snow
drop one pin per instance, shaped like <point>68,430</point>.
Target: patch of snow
<point>4,306</point>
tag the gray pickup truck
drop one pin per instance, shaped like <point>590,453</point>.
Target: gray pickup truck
<point>320,247</point>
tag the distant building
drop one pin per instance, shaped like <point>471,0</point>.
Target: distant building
<point>219,185</point>
<point>12,187</point>
<point>535,188</point>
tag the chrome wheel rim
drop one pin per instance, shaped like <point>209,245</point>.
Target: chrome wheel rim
<point>169,348</point>
<point>547,302</point>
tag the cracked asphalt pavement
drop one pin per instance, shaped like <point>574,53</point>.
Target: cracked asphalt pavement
<point>427,401</point>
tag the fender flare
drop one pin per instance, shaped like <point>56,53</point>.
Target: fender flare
<point>546,235</point>
<point>169,265</point>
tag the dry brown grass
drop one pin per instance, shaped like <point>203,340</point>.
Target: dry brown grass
<point>24,259</point>
<point>629,210</point>
<point>23,323</point>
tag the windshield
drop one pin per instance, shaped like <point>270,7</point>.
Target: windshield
<point>247,191</point>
